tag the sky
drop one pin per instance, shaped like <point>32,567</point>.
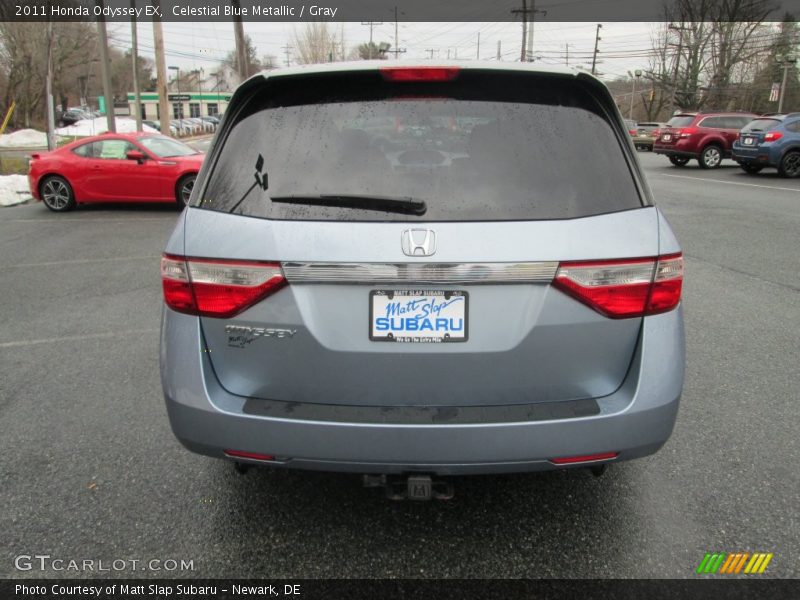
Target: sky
<point>623,46</point>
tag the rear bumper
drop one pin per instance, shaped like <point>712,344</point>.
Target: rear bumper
<point>753,155</point>
<point>33,184</point>
<point>673,151</point>
<point>634,421</point>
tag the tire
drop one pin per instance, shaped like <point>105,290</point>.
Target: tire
<point>790,164</point>
<point>710,157</point>
<point>751,169</point>
<point>57,194</point>
<point>183,189</point>
<point>679,161</point>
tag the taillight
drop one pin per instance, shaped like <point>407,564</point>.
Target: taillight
<point>420,73</point>
<point>687,131</point>
<point>217,288</point>
<point>632,131</point>
<point>772,136</point>
<point>571,460</point>
<point>622,289</point>
<point>248,455</point>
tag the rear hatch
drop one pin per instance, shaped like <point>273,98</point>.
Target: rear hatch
<point>754,133</point>
<point>377,198</point>
<point>672,132</point>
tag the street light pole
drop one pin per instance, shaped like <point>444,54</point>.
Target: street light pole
<point>637,73</point>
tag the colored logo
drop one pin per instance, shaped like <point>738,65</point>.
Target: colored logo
<point>735,563</point>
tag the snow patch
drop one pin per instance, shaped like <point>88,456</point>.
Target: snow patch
<point>14,189</point>
<point>24,138</point>
<point>99,125</point>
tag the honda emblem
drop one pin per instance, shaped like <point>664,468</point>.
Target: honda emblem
<point>419,242</point>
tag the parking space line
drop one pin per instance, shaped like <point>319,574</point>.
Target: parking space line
<point>77,338</point>
<point>80,261</point>
<point>767,187</point>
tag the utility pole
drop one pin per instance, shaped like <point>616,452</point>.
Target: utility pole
<point>287,49</point>
<point>137,97</point>
<point>597,39</point>
<point>788,61</point>
<point>430,52</point>
<point>527,15</point>
<point>499,54</point>
<point>397,51</point>
<point>51,134</point>
<point>241,49</point>
<point>680,31</point>
<point>567,55</point>
<point>371,26</point>
<point>161,72</point>
<point>478,53</point>
<point>109,100</point>
<point>533,13</point>
<point>523,12</point>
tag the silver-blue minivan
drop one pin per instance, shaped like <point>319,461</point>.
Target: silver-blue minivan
<point>410,270</point>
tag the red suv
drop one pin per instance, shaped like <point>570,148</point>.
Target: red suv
<point>708,137</point>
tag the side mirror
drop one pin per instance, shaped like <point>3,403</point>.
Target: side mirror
<point>135,155</point>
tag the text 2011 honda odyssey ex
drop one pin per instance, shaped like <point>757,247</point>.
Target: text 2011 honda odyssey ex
<point>422,270</point>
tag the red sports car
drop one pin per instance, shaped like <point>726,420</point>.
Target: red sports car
<point>115,167</point>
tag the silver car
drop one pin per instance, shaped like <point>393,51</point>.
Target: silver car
<point>414,271</point>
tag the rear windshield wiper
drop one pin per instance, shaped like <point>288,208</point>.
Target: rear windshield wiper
<point>404,205</point>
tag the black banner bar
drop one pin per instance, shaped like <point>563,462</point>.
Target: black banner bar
<point>363,10</point>
<point>733,588</point>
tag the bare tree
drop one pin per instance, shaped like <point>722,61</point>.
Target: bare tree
<point>713,40</point>
<point>23,55</point>
<point>122,74</point>
<point>734,27</point>
<point>316,43</point>
<point>269,62</point>
<point>253,64</point>
<point>660,73</point>
<point>371,50</point>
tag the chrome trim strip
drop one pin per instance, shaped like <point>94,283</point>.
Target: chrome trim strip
<point>444,273</point>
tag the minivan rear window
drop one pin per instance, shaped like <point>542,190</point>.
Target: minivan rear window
<point>485,147</point>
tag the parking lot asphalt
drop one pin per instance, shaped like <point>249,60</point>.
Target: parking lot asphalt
<point>90,470</point>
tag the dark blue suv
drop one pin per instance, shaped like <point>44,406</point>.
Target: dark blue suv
<point>770,141</point>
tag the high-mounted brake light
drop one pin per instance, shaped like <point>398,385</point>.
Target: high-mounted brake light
<point>773,136</point>
<point>420,73</point>
<point>217,288</point>
<point>626,288</point>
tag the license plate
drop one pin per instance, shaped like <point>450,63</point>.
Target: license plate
<point>747,141</point>
<point>418,316</point>
<point>666,138</point>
